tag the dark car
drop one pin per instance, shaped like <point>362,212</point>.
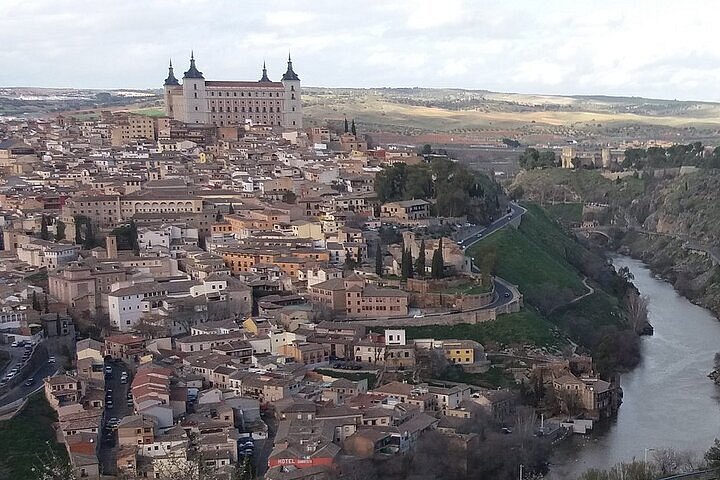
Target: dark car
<point>29,381</point>
<point>507,295</point>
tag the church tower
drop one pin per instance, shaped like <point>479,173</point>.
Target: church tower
<point>170,82</point>
<point>292,112</point>
<point>194,95</point>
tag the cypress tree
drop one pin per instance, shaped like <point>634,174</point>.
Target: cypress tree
<point>378,260</point>
<point>44,228</point>
<point>59,230</point>
<point>420,263</point>
<point>437,261</point>
<point>353,129</point>
<point>35,301</point>
<point>89,236</point>
<point>404,264</point>
<point>346,125</point>
<point>410,263</point>
<point>78,231</point>
<point>231,210</point>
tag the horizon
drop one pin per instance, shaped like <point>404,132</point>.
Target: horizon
<point>535,94</point>
<point>559,48</point>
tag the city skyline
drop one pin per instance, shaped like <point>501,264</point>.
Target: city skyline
<point>558,47</point>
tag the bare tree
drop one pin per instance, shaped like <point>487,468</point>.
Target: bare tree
<point>570,402</point>
<point>637,310</point>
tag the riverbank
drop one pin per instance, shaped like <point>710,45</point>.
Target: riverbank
<point>668,400</point>
<point>691,272</point>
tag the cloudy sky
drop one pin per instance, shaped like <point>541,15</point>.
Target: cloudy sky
<point>658,48</point>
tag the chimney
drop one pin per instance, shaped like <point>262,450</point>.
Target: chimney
<point>111,246</point>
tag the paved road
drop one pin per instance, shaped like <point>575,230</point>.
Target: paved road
<point>263,448</point>
<point>15,353</point>
<point>516,211</point>
<point>22,390</point>
<point>108,453</point>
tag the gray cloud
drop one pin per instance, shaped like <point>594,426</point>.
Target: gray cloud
<point>659,48</point>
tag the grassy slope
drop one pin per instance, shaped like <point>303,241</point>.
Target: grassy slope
<point>27,438</point>
<point>533,255</point>
<point>526,327</point>
<point>566,213</point>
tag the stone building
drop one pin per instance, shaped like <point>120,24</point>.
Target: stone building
<point>224,103</point>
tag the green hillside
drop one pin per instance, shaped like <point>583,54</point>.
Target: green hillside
<point>536,258</point>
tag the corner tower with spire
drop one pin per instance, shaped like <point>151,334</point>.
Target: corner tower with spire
<point>170,83</point>
<point>292,107</point>
<point>194,94</point>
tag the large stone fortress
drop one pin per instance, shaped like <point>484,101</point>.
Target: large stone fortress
<point>224,103</point>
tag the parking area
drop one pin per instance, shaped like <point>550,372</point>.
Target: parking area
<point>117,406</point>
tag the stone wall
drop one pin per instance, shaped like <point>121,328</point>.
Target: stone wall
<point>471,317</point>
<point>428,294</point>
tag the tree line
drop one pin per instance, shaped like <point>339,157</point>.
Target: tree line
<point>457,190</point>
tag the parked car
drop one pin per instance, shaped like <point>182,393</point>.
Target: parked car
<point>51,360</point>
<point>15,344</point>
<point>29,381</point>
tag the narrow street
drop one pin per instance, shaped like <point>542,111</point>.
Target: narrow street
<point>108,451</point>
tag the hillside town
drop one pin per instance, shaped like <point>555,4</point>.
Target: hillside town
<point>236,298</point>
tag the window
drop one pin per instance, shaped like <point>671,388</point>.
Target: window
<point>195,86</point>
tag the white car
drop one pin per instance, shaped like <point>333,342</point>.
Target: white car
<point>51,360</point>
<point>419,315</point>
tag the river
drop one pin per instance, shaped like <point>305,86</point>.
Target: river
<point>668,400</point>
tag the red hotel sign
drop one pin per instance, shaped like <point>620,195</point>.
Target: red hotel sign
<point>299,462</point>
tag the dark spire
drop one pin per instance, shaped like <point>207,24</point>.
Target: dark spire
<point>290,74</point>
<point>193,72</point>
<point>171,80</point>
<point>265,77</point>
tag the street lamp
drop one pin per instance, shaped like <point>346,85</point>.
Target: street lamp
<point>521,471</point>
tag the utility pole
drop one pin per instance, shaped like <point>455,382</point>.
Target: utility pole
<point>521,471</point>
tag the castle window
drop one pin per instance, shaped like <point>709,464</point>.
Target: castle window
<point>220,109</point>
<point>195,86</point>
<point>264,110</point>
<point>196,111</point>
<point>212,109</point>
<point>195,94</point>
<point>234,94</point>
<point>271,109</point>
<point>293,109</point>
<point>235,109</point>
<point>277,94</point>
<point>212,94</point>
<point>292,88</point>
<point>257,109</point>
<point>227,94</point>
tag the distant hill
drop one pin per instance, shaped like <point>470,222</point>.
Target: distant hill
<point>24,102</point>
<point>436,115</point>
<point>480,116</point>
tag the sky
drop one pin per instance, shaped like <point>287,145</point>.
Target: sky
<point>662,49</point>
